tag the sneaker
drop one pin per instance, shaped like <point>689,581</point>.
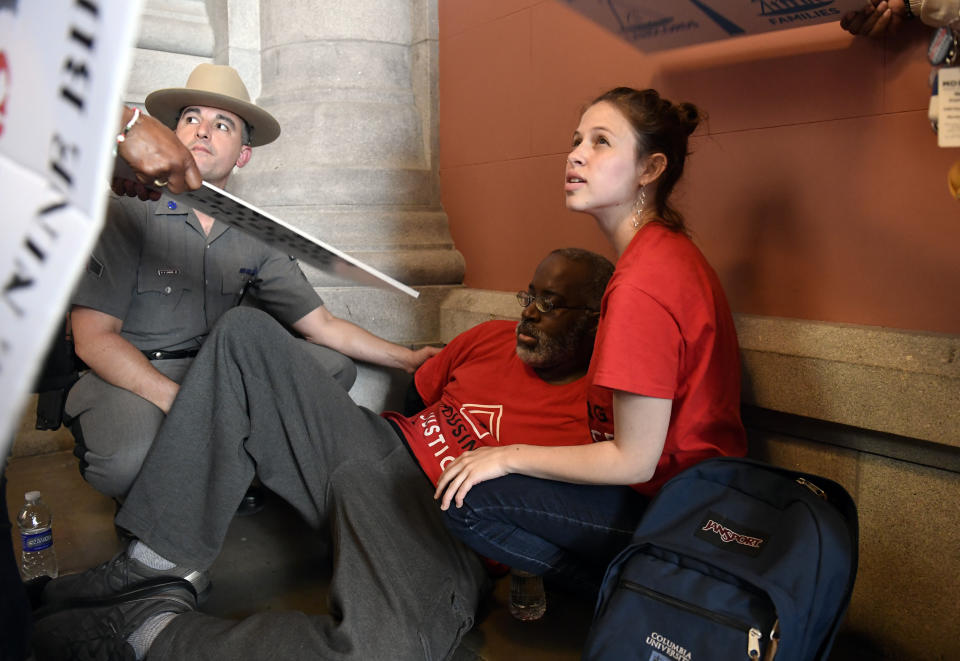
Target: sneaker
<point>118,575</point>
<point>99,629</point>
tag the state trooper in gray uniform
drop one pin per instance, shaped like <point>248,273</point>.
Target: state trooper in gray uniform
<point>162,274</point>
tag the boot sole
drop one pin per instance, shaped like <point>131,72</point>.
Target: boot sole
<point>148,588</point>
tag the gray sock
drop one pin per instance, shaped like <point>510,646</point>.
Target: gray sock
<point>141,639</point>
<point>140,551</point>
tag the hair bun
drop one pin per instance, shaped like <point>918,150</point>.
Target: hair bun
<point>689,116</point>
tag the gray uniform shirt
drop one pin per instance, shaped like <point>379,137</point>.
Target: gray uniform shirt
<point>154,268</point>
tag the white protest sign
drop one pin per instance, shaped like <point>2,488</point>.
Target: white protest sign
<point>281,235</point>
<point>653,25</point>
<point>63,64</point>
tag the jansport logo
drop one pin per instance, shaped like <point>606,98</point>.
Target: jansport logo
<point>779,12</point>
<point>727,535</point>
<point>730,535</point>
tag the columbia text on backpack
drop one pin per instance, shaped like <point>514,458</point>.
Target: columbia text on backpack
<point>733,559</point>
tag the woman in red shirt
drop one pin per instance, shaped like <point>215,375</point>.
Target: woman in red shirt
<point>665,374</point>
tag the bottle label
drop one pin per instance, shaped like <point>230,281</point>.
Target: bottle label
<point>37,541</point>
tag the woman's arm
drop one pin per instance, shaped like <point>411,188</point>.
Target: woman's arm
<point>640,425</point>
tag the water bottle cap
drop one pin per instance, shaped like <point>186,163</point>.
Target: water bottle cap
<point>31,496</point>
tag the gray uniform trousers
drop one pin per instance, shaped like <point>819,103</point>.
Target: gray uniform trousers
<point>402,587</point>
<point>115,427</point>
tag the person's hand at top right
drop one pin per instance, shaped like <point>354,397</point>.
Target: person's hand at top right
<point>876,19</point>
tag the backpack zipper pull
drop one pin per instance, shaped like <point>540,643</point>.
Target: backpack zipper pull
<point>813,487</point>
<point>753,643</point>
<point>774,642</point>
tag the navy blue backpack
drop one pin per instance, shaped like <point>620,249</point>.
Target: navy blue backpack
<point>733,559</point>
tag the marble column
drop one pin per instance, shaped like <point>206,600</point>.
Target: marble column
<point>353,84</point>
<point>175,36</point>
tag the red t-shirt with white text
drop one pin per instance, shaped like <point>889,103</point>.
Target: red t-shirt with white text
<point>478,392</point>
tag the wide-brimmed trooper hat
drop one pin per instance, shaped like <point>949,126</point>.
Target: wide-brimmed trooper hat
<point>215,86</point>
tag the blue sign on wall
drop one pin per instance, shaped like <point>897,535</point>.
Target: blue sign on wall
<point>654,25</point>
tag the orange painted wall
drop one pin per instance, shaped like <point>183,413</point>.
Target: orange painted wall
<point>816,189</point>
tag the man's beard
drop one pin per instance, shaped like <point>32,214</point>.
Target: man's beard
<point>551,351</point>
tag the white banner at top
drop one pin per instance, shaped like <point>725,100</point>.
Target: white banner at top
<point>63,66</point>
<point>653,25</point>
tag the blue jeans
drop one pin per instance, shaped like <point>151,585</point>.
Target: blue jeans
<point>569,532</point>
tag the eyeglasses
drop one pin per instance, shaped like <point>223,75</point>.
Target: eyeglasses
<point>545,305</point>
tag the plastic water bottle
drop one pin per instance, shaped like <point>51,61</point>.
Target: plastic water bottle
<point>528,600</point>
<point>38,557</point>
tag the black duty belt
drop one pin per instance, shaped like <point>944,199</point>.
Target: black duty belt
<point>169,355</point>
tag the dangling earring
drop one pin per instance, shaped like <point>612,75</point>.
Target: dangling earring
<point>638,209</point>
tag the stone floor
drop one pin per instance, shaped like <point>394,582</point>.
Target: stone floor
<point>268,564</point>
